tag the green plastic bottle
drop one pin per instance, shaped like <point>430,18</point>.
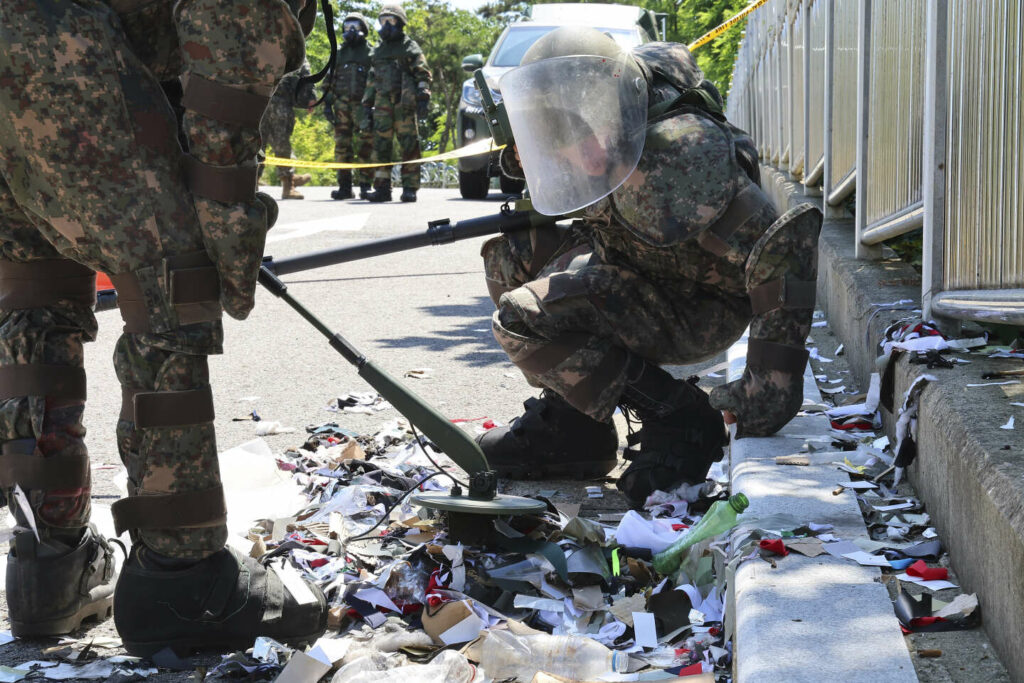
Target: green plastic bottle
<point>720,517</point>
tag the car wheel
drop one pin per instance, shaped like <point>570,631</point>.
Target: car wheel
<point>474,184</point>
<point>512,185</point>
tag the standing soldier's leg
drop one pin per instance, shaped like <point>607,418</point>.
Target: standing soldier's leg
<point>180,586</point>
<point>362,141</point>
<point>344,126</point>
<point>409,148</point>
<point>383,147</point>
<point>65,574</point>
<point>281,141</point>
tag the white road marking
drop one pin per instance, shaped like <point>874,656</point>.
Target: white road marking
<point>289,231</point>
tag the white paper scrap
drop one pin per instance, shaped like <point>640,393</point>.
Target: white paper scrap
<point>636,531</point>
<point>644,629</point>
<point>293,581</point>
<point>1009,424</point>
<point>463,632</point>
<point>867,559</point>
<point>994,384</point>
<point>6,637</point>
<point>894,506</point>
<point>595,492</point>
<point>330,651</point>
<point>859,485</point>
<point>936,585</point>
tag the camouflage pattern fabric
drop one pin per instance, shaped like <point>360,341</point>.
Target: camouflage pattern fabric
<point>345,98</point>
<point>399,76</point>
<point>279,119</point>
<point>91,169</point>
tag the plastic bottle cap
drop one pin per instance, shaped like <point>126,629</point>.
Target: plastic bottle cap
<point>739,502</point>
<point>620,662</point>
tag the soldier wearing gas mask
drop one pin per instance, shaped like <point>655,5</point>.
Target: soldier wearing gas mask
<point>397,93</point>
<point>98,173</point>
<point>343,106</point>
<point>678,252</point>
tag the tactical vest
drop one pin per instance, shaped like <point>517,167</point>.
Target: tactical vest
<point>350,72</point>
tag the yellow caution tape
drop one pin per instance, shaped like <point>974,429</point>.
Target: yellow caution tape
<point>725,25</point>
<point>479,147</point>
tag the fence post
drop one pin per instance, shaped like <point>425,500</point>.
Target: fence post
<point>831,212</point>
<point>805,21</point>
<point>933,167</point>
<point>863,251</point>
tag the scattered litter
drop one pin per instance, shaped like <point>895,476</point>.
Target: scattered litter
<point>595,492</point>
<point>1009,424</point>
<point>420,373</point>
<point>265,428</point>
<point>818,357</point>
<point>6,637</point>
<point>993,384</point>
<point>358,402</point>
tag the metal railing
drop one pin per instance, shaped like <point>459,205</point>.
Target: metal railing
<point>914,105</point>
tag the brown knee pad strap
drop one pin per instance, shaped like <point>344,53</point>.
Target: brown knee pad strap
<point>152,409</point>
<point>204,508</point>
<point>772,356</point>
<point>21,463</point>
<point>189,283</point>
<point>57,381</point>
<point>42,283</point>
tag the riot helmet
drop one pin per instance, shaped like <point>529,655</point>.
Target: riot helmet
<point>577,105</point>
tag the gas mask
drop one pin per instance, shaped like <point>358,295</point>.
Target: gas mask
<point>390,28</point>
<point>353,32</point>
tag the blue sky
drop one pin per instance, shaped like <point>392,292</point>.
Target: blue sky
<point>470,5</point>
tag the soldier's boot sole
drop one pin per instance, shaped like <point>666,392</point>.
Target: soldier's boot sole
<point>101,610</point>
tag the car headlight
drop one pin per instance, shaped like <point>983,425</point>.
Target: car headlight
<point>470,95</point>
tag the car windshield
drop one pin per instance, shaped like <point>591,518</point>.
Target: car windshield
<point>519,39</point>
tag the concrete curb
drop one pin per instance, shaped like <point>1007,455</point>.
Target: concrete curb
<point>969,472</point>
<point>810,618</point>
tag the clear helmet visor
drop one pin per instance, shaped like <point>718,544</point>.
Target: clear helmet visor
<point>579,123</point>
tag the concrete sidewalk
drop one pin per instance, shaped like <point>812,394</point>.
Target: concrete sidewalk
<point>808,618</point>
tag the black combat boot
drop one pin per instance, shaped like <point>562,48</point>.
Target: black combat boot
<point>51,587</point>
<point>344,190</point>
<point>408,194</point>
<point>223,602</point>
<point>381,193</point>
<point>551,440</point>
<point>364,190</point>
<point>681,435</point>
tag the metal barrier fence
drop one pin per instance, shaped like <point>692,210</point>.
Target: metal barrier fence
<point>915,106</point>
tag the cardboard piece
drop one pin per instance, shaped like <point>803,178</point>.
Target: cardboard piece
<point>452,622</point>
<point>302,668</point>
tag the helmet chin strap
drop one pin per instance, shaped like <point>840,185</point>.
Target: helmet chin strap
<point>332,39</point>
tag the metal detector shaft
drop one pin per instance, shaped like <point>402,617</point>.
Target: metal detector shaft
<point>438,232</point>
<point>449,438</point>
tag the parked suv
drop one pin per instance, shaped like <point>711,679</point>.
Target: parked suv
<point>629,26</point>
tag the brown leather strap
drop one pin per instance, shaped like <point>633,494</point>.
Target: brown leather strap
<point>228,184</point>
<point>170,510</point>
<point>745,204</point>
<point>784,292</point>
<point>45,282</point>
<point>131,302</point>
<point>173,408</point>
<point>57,381</point>
<point>195,287</point>
<point>772,356</point>
<point>128,403</point>
<point>223,102</point>
<point>550,354</point>
<point>22,464</point>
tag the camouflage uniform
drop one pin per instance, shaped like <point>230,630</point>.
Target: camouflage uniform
<point>399,76</point>
<point>344,98</point>
<point>93,177</point>
<point>671,267</point>
<point>279,119</point>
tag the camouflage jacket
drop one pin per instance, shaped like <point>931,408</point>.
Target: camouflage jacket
<point>352,68</point>
<point>398,73</point>
<point>289,94</point>
<point>691,209</point>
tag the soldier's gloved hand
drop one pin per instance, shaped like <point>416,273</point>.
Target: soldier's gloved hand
<point>422,108</point>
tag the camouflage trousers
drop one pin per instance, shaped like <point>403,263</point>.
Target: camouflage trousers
<point>351,144</point>
<point>568,320</point>
<point>391,121</point>
<point>93,175</point>
<point>276,128</point>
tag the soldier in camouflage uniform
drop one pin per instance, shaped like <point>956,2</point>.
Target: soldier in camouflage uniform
<point>397,92</point>
<point>93,176</point>
<point>672,260</point>
<point>343,106</point>
<point>278,123</point>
